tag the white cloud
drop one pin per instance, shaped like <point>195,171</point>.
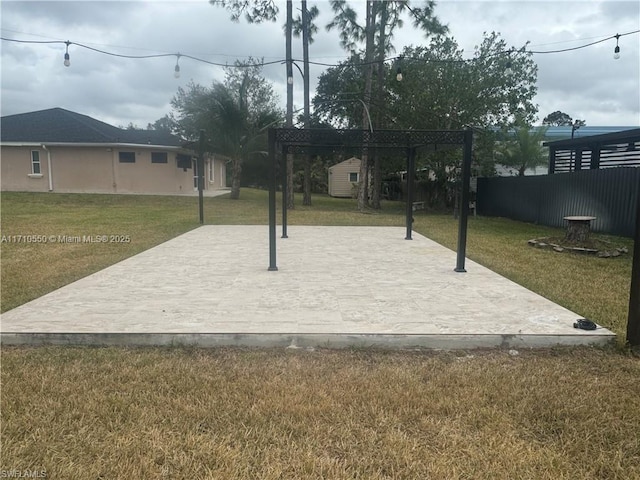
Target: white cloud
<point>585,83</point>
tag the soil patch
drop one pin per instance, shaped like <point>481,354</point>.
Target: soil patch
<point>592,246</point>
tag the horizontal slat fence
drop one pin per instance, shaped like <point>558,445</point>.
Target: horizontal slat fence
<point>608,194</point>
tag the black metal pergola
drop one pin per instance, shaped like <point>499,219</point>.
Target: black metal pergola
<point>283,141</point>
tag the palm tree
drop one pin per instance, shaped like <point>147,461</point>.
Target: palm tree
<point>235,116</point>
<point>525,150</point>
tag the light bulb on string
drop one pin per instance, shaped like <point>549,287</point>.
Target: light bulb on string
<point>176,70</point>
<point>399,70</point>
<point>67,62</point>
<point>616,51</point>
<point>508,70</point>
<point>290,72</point>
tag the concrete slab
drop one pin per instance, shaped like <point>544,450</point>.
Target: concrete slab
<point>335,287</point>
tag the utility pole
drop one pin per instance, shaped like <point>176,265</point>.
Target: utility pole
<point>289,115</point>
<point>306,199</point>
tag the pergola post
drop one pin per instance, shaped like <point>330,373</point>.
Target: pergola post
<point>200,166</point>
<point>411,167</point>
<point>633,322</point>
<point>407,140</point>
<point>464,201</point>
<point>272,199</point>
<point>284,198</point>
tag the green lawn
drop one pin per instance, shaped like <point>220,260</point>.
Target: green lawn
<point>595,288</point>
<point>267,413</point>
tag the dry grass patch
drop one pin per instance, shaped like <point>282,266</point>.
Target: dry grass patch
<point>228,413</point>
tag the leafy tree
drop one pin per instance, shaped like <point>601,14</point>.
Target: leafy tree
<point>559,118</point>
<point>440,90</point>
<point>164,124</point>
<point>525,150</point>
<point>235,115</point>
<point>258,11</point>
<point>254,11</point>
<point>381,20</point>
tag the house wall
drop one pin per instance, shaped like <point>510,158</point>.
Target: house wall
<point>146,177</point>
<point>339,184</point>
<point>99,170</point>
<point>218,166</point>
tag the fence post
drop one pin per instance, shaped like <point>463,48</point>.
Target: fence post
<point>633,322</point>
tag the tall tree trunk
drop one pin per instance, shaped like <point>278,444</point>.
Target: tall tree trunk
<point>363,191</point>
<point>236,171</point>
<point>289,116</point>
<point>382,38</point>
<point>306,198</point>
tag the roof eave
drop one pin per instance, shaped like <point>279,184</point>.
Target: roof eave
<point>100,145</point>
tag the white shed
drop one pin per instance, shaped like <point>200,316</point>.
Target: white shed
<point>343,176</point>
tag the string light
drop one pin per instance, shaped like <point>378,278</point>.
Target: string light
<point>399,71</point>
<point>67,62</point>
<point>176,70</point>
<point>290,77</point>
<point>508,70</point>
<point>289,72</point>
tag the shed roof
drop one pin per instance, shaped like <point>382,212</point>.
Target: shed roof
<point>349,161</point>
<point>57,125</point>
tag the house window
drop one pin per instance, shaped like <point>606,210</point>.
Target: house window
<point>127,157</point>
<point>184,161</point>
<point>35,162</point>
<point>159,157</point>
<point>353,177</point>
<point>211,170</point>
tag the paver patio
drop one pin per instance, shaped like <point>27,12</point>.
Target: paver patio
<point>336,287</point>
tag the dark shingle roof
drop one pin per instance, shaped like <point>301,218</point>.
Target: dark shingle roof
<point>57,125</point>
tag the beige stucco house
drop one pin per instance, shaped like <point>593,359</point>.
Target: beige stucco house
<point>344,177</point>
<point>57,150</point>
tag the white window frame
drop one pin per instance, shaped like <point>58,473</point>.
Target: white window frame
<point>357,177</point>
<point>35,162</point>
<point>211,170</point>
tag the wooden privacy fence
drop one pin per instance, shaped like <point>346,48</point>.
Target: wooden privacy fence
<point>608,194</point>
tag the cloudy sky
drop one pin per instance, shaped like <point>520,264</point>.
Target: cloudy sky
<point>585,83</point>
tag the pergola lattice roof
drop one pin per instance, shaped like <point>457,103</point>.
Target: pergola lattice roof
<point>301,140</point>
